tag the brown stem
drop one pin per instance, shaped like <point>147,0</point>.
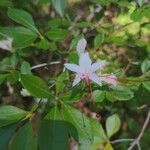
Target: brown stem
<point>137,140</point>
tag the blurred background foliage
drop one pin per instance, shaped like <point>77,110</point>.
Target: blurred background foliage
<point>116,30</point>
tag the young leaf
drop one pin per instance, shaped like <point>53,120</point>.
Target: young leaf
<point>112,125</point>
<point>10,114</point>
<point>22,17</point>
<point>60,6</point>
<point>24,139</point>
<point>36,86</point>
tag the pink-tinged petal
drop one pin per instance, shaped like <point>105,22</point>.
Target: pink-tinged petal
<point>81,46</point>
<point>110,79</point>
<point>95,78</point>
<point>85,62</point>
<point>98,65</point>
<point>76,80</point>
<point>73,67</point>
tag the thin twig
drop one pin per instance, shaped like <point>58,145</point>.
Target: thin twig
<point>137,140</point>
<point>121,140</point>
<point>45,64</point>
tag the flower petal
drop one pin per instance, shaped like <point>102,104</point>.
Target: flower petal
<point>81,46</point>
<point>110,79</point>
<point>95,78</point>
<point>85,62</point>
<point>98,65</point>
<point>73,67</point>
<point>6,44</point>
<point>76,80</point>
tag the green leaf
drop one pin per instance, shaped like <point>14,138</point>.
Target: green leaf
<point>108,147</point>
<point>13,77</point>
<point>6,3</point>
<point>60,6</point>
<point>72,96</point>
<point>10,114</point>
<point>84,24</point>
<point>99,39</point>
<point>24,139</point>
<point>36,86</point>
<point>5,136</point>
<point>112,125</point>
<point>57,131</point>
<point>22,37</point>
<point>22,17</point>
<point>58,22</point>
<point>122,96</point>
<point>137,15</point>
<point>121,93</point>
<point>99,95</point>
<point>57,34</point>
<point>3,77</point>
<point>147,85</point>
<point>145,67</point>
<point>25,68</point>
<point>60,84</point>
<point>89,131</point>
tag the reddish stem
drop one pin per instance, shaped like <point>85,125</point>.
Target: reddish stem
<point>93,101</point>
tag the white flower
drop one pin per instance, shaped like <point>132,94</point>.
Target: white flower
<point>81,46</point>
<point>6,44</point>
<point>86,70</point>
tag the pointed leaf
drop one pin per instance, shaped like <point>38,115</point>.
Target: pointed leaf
<point>112,125</point>
<point>22,17</point>
<point>36,86</point>
<point>10,114</point>
<point>24,139</point>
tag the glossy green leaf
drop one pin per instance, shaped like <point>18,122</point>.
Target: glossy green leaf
<point>10,114</point>
<point>60,6</point>
<point>22,17</point>
<point>36,86</point>
<point>24,139</point>
<point>112,125</point>
<point>22,37</point>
